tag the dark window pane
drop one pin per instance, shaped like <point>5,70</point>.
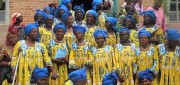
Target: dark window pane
<point>172,6</point>
<point>2,5</point>
<point>173,17</point>
<point>179,6</point>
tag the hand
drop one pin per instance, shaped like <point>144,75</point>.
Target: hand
<point>65,61</point>
<point>54,76</point>
<point>50,68</point>
<point>4,63</point>
<point>57,61</point>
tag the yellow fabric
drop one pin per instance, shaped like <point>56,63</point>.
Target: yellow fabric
<point>29,58</point>
<point>102,63</point>
<point>169,66</point>
<point>89,35</point>
<point>124,60</point>
<point>112,39</point>
<point>81,55</point>
<point>69,82</point>
<point>134,37</point>
<point>69,38</point>
<point>148,59</point>
<point>61,70</point>
<point>102,19</point>
<point>157,33</point>
<point>45,34</point>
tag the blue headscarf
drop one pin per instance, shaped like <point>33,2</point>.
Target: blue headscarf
<point>112,20</point>
<point>172,34</point>
<point>130,17</point>
<point>150,13</point>
<point>48,16</point>
<point>79,8</point>
<point>62,7</point>
<point>65,16</point>
<point>95,3</point>
<point>65,2</point>
<point>58,26</point>
<point>49,9</point>
<point>78,75</point>
<point>124,29</point>
<point>101,32</point>
<point>144,32</point>
<point>109,78</point>
<point>94,13</point>
<point>38,11</point>
<point>29,27</point>
<point>79,28</point>
<point>147,74</point>
<point>39,73</point>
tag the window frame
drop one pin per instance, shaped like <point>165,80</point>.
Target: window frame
<point>177,12</point>
<point>6,22</point>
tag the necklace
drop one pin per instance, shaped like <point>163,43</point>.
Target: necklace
<point>59,41</point>
<point>81,42</point>
<point>144,48</point>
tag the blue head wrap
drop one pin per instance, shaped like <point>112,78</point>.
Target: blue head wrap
<point>65,2</point>
<point>39,73</point>
<point>101,32</point>
<point>172,34</point>
<point>130,17</point>
<point>124,29</point>
<point>144,32</point>
<point>65,16</point>
<point>29,27</point>
<point>147,74</point>
<point>112,20</point>
<point>38,11</point>
<point>78,75</point>
<point>79,28</point>
<point>62,7</point>
<point>58,26</point>
<point>48,16</point>
<point>79,8</point>
<point>109,79</point>
<point>49,9</point>
<point>150,13</point>
<point>94,13</point>
<point>95,3</point>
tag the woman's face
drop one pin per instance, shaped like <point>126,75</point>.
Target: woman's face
<point>79,14</point>
<point>173,43</point>
<point>61,11</point>
<point>107,5</point>
<point>90,19</point>
<point>49,22</point>
<point>108,25</point>
<point>128,23</point>
<point>100,6</point>
<point>42,81</point>
<point>124,36</point>
<point>12,39</point>
<point>60,34</point>
<point>47,11</point>
<point>145,82</point>
<point>78,35</point>
<point>69,5</point>
<point>39,18</point>
<point>143,40</point>
<point>80,82</point>
<point>34,34</point>
<point>70,20</point>
<point>100,40</point>
<point>147,20</point>
<point>19,18</point>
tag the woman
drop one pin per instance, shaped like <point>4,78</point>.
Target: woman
<point>130,23</point>
<point>5,58</point>
<point>69,36</point>
<point>39,18</point>
<point>156,31</point>
<point>40,76</point>
<point>108,7</point>
<point>125,57</point>
<point>103,55</point>
<point>110,25</point>
<point>110,79</point>
<point>46,32</point>
<point>146,54</point>
<point>58,15</point>
<point>80,55</point>
<point>79,15</point>
<point>28,54</point>
<point>91,19</point>
<point>17,26</point>
<point>169,59</point>
<point>97,5</point>
<point>49,10</point>
<point>145,77</point>
<point>68,4</point>
<point>57,50</point>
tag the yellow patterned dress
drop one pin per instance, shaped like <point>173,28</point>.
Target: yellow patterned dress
<point>124,61</point>
<point>69,38</point>
<point>29,58</point>
<point>112,39</point>
<point>45,35</point>
<point>169,66</point>
<point>81,56</point>
<point>89,35</point>
<point>148,59</point>
<point>134,37</point>
<point>102,19</point>
<point>102,63</point>
<point>61,70</point>
<point>157,33</point>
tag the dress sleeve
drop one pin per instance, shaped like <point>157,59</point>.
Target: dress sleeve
<point>15,56</point>
<point>46,57</point>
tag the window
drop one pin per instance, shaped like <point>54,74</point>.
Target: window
<point>4,12</point>
<point>174,15</point>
